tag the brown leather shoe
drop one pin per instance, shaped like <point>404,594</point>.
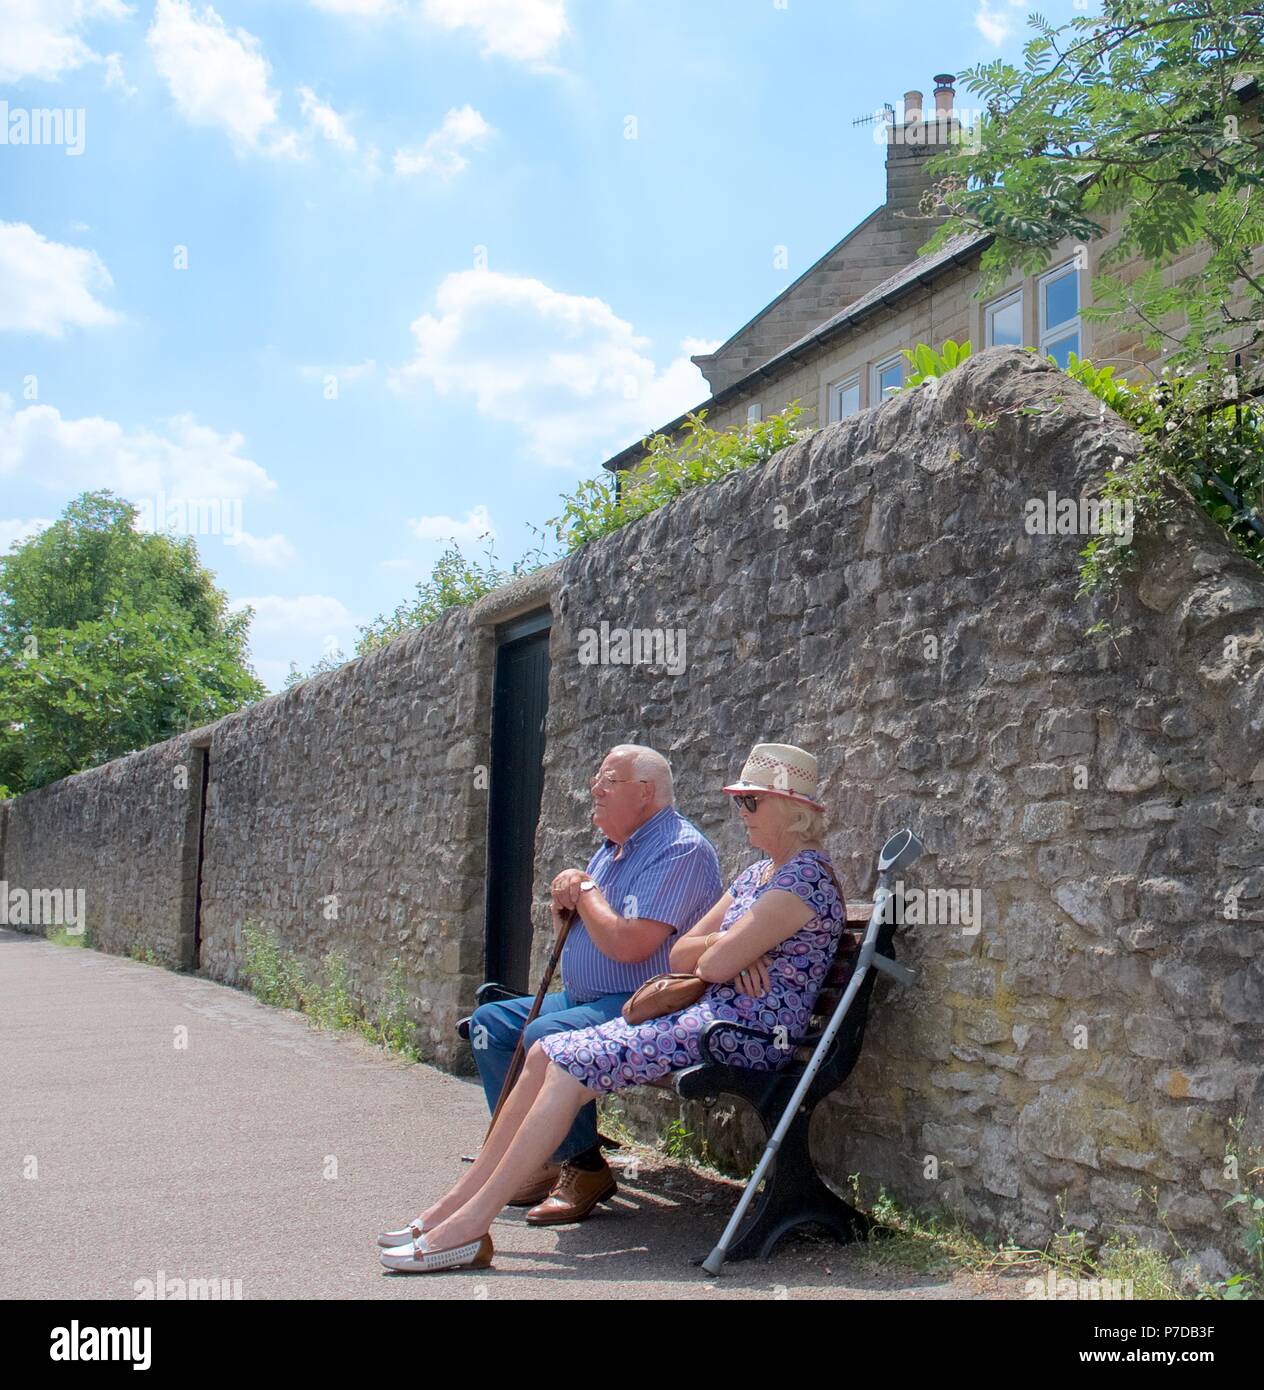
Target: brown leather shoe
<point>577,1192</point>
<point>538,1190</point>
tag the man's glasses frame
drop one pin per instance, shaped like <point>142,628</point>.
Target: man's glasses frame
<point>606,782</point>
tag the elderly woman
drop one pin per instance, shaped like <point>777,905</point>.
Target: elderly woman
<point>764,949</point>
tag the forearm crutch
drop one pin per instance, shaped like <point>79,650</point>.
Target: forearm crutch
<point>899,851</point>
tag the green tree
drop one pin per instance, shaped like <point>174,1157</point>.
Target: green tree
<point>1137,110</point>
<point>110,640</point>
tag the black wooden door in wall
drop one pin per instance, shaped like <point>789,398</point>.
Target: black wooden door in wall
<point>521,700</point>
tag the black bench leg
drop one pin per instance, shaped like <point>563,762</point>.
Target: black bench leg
<point>794,1196</point>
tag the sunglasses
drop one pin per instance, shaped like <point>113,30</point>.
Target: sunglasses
<point>747,801</point>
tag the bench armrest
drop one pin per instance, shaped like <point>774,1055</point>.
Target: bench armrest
<point>491,992</point>
<point>484,994</point>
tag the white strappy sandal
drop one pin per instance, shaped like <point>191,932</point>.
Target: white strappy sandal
<point>417,1258</point>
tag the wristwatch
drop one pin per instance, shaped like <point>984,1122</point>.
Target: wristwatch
<point>586,885</point>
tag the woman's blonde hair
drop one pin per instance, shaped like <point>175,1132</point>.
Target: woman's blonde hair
<point>805,822</point>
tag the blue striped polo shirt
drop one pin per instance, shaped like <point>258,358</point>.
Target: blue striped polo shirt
<point>668,872</point>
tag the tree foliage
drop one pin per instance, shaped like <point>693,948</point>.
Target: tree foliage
<point>110,640</point>
<point>455,579</point>
<point>1137,110</point>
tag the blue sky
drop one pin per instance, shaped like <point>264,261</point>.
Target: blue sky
<point>373,273</point>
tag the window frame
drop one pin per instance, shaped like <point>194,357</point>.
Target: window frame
<point>835,393</point>
<point>896,359</point>
<point>1050,335</point>
<point>993,307</point>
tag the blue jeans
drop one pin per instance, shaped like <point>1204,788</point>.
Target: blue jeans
<point>498,1027</point>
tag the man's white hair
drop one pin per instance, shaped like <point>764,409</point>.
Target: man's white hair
<point>650,764</point>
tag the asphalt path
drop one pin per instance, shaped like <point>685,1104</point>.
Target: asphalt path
<point>159,1127</point>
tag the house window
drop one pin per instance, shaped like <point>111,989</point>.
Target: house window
<point>1059,297</point>
<point>1003,321</point>
<point>887,376</point>
<point>755,413</point>
<point>845,397</point>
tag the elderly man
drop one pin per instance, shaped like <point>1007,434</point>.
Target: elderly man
<point>654,877</point>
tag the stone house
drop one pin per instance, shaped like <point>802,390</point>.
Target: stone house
<point>833,339</point>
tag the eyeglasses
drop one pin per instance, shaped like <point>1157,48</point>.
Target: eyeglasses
<point>606,782</point>
<point>747,801</point>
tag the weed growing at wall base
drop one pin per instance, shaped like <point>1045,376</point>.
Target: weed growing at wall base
<point>63,936</point>
<point>921,1243</point>
<point>276,976</point>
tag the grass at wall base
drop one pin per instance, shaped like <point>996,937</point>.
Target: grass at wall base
<point>276,976</point>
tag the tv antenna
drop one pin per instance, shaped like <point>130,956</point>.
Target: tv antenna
<point>887,113</point>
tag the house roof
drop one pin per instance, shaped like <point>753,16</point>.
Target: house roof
<point>792,286</point>
<point>958,250</point>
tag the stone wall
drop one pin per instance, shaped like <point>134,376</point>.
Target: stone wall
<point>345,815</point>
<point>871,594</point>
<point>124,834</point>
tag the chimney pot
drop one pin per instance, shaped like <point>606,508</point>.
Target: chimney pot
<point>943,94</point>
<point>912,107</point>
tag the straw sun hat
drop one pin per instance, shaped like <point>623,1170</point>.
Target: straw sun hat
<point>779,769</point>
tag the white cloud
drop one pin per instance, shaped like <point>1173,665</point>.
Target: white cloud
<point>116,77</point>
<point>186,460</point>
<point>217,77</point>
<point>477,523</point>
<point>326,121</point>
<point>571,375</point>
<point>441,153</point>
<point>42,40</point>
<point>995,23</point>
<point>11,531</point>
<point>305,614</point>
<point>346,375</point>
<point>362,9</point>
<point>272,552</point>
<point>528,30</point>
<point>46,286</point>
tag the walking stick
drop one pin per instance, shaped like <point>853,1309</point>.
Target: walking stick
<point>899,851</point>
<point>519,1056</point>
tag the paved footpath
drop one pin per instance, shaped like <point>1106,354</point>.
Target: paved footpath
<point>268,1152</point>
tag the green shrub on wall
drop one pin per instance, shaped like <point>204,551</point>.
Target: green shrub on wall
<point>671,467</point>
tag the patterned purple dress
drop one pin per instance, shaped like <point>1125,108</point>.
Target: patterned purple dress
<point>612,1055</point>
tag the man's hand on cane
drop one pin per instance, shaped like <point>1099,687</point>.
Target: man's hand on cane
<point>565,888</point>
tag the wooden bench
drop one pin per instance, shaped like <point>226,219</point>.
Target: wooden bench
<point>793,1193</point>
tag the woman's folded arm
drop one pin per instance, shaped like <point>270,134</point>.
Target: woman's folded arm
<point>774,917</point>
<point>686,950</point>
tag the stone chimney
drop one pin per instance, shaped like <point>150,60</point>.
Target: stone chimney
<point>912,138</point>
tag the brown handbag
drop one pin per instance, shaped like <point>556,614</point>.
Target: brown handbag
<point>663,994</point>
